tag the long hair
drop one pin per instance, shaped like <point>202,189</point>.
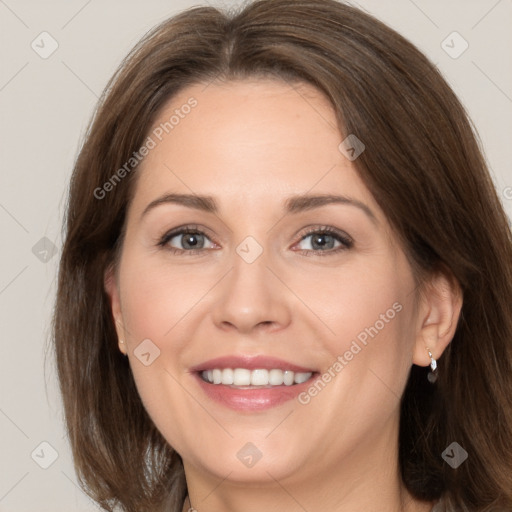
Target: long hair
<point>423,165</point>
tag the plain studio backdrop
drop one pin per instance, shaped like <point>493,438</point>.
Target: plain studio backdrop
<point>56,57</point>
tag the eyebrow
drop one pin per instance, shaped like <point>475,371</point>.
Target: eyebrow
<point>294,204</point>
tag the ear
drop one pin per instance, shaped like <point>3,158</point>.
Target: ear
<point>112,290</point>
<point>439,310</point>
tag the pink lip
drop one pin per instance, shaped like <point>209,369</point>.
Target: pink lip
<point>250,400</point>
<point>249,362</point>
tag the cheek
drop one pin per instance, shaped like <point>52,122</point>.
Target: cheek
<point>366,361</point>
<point>369,312</point>
<point>362,301</point>
<point>162,306</point>
<point>158,298</point>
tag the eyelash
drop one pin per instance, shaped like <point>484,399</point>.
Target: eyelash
<point>345,240</point>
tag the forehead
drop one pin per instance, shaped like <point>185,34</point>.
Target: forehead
<point>251,141</point>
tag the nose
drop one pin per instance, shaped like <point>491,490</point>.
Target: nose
<point>251,298</point>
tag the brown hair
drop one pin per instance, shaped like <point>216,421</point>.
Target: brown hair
<point>422,164</point>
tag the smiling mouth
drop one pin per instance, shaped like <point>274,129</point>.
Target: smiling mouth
<point>243,378</point>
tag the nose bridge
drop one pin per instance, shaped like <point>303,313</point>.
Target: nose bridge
<point>251,295</point>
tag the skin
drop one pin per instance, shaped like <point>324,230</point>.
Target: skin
<point>250,144</point>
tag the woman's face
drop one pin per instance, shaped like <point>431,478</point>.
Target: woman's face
<point>272,278</point>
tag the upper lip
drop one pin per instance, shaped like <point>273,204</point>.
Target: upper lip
<point>249,362</point>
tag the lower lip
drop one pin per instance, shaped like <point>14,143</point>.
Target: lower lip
<point>251,400</point>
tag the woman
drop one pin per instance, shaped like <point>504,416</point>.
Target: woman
<point>286,279</point>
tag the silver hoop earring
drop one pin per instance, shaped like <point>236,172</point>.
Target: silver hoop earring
<point>432,374</point>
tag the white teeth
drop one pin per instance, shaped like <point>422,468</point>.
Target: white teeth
<point>217,376</point>
<point>259,377</point>
<point>302,377</point>
<point>228,376</point>
<point>275,377</point>
<point>241,377</point>
<point>288,378</point>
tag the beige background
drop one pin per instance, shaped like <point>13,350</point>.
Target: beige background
<point>45,106</point>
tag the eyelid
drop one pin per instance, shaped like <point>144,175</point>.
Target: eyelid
<point>345,240</point>
<point>164,239</point>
